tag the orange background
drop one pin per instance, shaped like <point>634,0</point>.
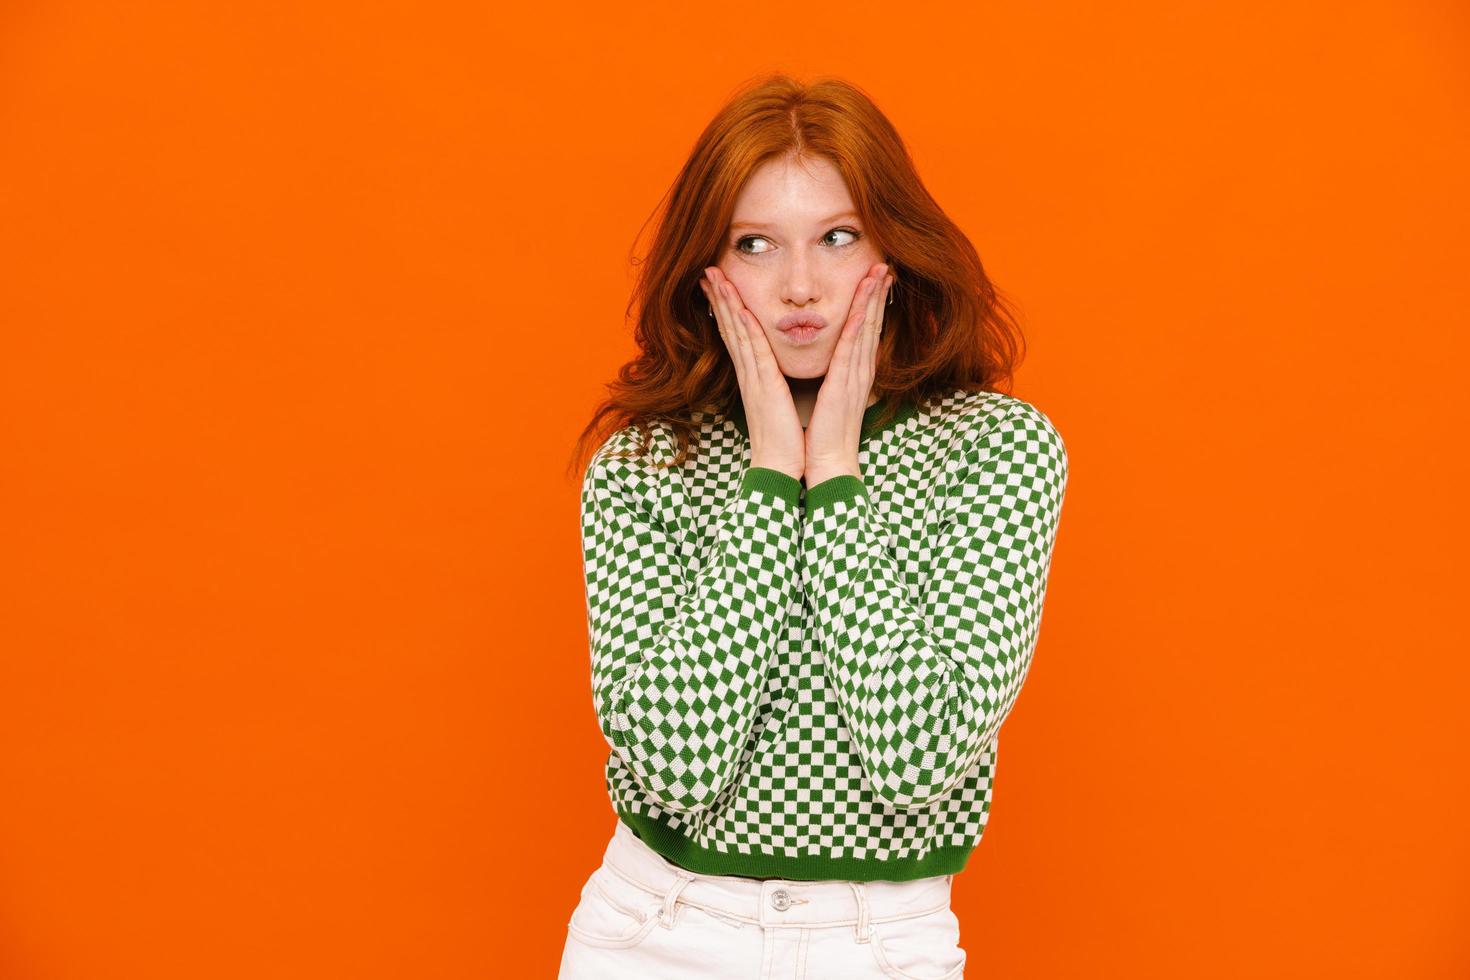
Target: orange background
<point>304,306</point>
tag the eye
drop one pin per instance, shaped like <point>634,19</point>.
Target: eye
<point>739,243</point>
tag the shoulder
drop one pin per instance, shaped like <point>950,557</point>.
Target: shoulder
<point>629,462</point>
<point>973,415</point>
<point>1017,415</point>
<point>990,424</point>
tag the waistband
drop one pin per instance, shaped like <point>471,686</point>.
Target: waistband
<point>774,902</point>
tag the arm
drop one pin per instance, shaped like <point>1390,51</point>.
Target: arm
<point>679,660</point>
<point>924,685</point>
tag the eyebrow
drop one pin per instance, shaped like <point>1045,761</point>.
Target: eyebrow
<point>758,224</point>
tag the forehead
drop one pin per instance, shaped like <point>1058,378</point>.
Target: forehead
<point>793,193</point>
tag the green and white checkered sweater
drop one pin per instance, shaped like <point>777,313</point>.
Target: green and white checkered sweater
<point>808,682</point>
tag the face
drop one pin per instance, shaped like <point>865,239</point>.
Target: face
<point>796,244</point>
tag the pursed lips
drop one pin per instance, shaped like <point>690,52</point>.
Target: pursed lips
<point>803,318</point>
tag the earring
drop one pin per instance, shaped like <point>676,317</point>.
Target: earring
<point>890,292</point>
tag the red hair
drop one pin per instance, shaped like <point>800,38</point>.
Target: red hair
<point>948,327</point>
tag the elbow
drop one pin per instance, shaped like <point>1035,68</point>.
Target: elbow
<point>685,803</point>
<point>695,786</point>
<point>909,788</point>
<point>895,797</point>
<point>680,784</point>
<point>682,796</point>
<point>901,788</point>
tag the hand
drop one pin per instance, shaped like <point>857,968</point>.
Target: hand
<point>776,440</point>
<point>834,433</point>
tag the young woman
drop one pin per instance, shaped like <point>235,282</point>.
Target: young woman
<point>816,545</point>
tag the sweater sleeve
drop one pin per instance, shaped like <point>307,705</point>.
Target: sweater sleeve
<point>680,655</point>
<point>924,679</point>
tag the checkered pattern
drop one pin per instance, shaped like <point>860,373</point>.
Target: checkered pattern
<point>925,678</point>
<point>682,649</point>
<point>820,673</point>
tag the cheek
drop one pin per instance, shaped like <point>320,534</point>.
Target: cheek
<point>748,286</point>
<point>739,275</point>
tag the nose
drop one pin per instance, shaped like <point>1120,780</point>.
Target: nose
<point>798,287</point>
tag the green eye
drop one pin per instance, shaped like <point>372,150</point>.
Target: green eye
<point>739,243</point>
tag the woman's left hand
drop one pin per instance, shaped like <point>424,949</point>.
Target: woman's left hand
<point>834,432</point>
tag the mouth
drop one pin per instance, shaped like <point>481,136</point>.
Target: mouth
<point>801,327</point>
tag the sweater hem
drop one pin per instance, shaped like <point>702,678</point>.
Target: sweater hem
<point>681,851</point>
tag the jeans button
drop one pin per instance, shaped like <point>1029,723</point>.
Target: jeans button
<point>781,899</point>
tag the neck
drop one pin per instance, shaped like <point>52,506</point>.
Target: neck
<point>804,395</point>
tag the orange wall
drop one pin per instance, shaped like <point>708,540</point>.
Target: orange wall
<point>303,308</point>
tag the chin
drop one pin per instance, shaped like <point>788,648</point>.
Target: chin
<point>805,367</point>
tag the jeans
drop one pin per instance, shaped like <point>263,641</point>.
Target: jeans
<point>641,917</point>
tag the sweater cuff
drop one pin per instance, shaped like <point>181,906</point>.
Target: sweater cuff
<point>773,482</point>
<point>830,491</point>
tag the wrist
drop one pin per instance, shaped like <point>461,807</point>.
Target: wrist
<point>821,473</point>
<point>792,470</point>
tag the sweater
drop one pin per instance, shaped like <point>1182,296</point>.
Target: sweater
<point>809,682</point>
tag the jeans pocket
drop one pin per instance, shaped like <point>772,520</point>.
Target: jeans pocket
<point>922,947</point>
<point>613,913</point>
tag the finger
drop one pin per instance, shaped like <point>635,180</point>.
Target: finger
<point>757,347</point>
<point>859,371</point>
<point>731,307</point>
<point>857,313</point>
<point>708,298</point>
<point>875,335</point>
<point>875,308</point>
<point>856,307</point>
<point>755,351</point>
<point>760,347</point>
<point>853,332</point>
<point>730,333</point>
<point>837,367</point>
<point>722,309</point>
<point>714,315</point>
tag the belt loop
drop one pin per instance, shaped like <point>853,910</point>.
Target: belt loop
<point>666,916</point>
<point>860,890</point>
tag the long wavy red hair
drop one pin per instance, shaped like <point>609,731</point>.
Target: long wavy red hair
<point>948,327</point>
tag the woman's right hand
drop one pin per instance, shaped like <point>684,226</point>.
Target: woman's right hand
<point>776,439</point>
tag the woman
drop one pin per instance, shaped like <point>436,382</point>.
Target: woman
<point>816,547</point>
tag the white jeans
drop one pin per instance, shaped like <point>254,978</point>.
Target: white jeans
<point>641,917</point>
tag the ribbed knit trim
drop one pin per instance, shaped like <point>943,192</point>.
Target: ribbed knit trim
<point>683,852</point>
<point>829,491</point>
<point>771,481</point>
